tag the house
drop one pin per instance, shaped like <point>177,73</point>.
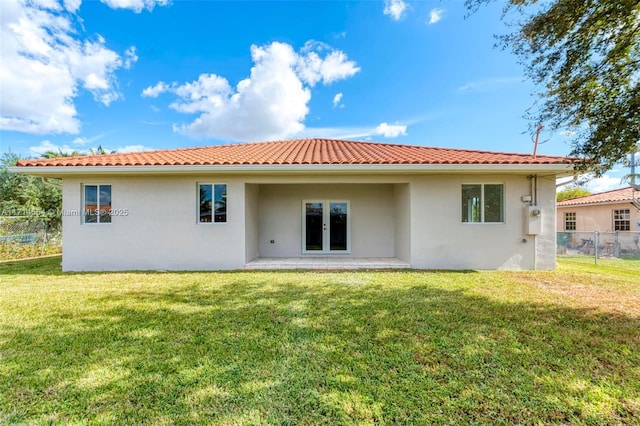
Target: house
<point>226,206</point>
<point>616,210</point>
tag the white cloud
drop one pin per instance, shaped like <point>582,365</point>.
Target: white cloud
<point>489,84</point>
<point>354,132</point>
<point>46,146</point>
<point>390,130</point>
<point>336,100</point>
<point>340,35</point>
<point>133,148</point>
<point>44,62</point>
<point>311,68</point>
<point>155,91</point>
<point>135,5</point>
<point>82,141</point>
<point>436,15</point>
<point>604,183</point>
<point>72,5</point>
<point>395,9</point>
<point>130,57</point>
<point>271,103</point>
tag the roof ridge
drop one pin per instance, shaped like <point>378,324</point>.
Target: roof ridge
<point>598,193</point>
<point>302,151</point>
<point>282,141</point>
<point>618,195</point>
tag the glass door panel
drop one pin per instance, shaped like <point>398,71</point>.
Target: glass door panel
<point>338,226</point>
<point>325,227</point>
<point>314,227</point>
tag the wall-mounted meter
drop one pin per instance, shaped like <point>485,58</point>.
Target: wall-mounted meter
<point>532,220</point>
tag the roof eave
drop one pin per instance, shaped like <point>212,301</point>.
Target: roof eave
<point>596,203</point>
<point>61,171</point>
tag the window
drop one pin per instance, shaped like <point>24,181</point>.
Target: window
<point>622,220</point>
<point>97,204</point>
<point>570,221</point>
<point>212,203</point>
<point>483,203</point>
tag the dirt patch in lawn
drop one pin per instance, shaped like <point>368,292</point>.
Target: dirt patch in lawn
<point>585,294</point>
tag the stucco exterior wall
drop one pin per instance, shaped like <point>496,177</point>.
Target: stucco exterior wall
<point>252,216</point>
<point>416,218</point>
<point>402,249</point>
<point>597,217</point>
<point>440,240</point>
<point>372,217</point>
<point>545,256</point>
<point>161,230</point>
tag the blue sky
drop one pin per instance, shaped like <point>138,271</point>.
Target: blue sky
<point>149,74</point>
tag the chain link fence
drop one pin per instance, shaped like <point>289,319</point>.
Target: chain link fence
<point>26,236</point>
<point>600,245</point>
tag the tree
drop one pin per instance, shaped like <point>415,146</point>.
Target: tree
<point>23,195</point>
<point>60,153</point>
<point>584,55</point>
<point>571,192</point>
<point>99,150</point>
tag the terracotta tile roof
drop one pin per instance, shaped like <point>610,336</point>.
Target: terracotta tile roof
<point>614,196</point>
<point>300,151</point>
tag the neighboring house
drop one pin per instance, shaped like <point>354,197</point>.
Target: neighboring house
<point>616,210</point>
<point>221,207</point>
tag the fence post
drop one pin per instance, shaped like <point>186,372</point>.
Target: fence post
<point>596,235</point>
<point>44,239</point>
<point>616,246</point>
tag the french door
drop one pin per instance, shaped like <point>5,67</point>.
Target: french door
<point>325,227</point>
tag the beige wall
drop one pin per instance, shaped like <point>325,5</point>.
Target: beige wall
<point>403,222</point>
<point>440,240</point>
<point>372,217</point>
<point>161,230</point>
<point>252,216</point>
<point>597,217</point>
<point>416,218</point>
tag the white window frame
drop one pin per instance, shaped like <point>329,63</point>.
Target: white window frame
<point>482,221</point>
<point>83,204</point>
<point>574,221</point>
<point>326,250</point>
<point>213,195</point>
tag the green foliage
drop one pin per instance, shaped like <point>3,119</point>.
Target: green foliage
<point>303,348</point>
<point>14,251</point>
<point>99,150</point>
<point>60,153</point>
<point>585,57</point>
<point>571,192</point>
<point>23,195</point>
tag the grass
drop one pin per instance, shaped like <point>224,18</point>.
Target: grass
<point>403,347</point>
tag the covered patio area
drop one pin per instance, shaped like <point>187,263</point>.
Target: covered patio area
<point>328,225</point>
<point>327,262</point>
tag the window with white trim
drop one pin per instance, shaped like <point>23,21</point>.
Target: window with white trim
<point>483,203</point>
<point>622,220</point>
<point>570,221</point>
<point>212,203</point>
<point>96,203</point>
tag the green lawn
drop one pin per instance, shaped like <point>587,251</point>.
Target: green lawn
<point>309,348</point>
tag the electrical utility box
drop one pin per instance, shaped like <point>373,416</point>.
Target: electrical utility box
<point>532,220</point>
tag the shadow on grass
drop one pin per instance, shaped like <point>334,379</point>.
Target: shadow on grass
<point>43,266</point>
<point>340,349</point>
<point>52,266</point>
